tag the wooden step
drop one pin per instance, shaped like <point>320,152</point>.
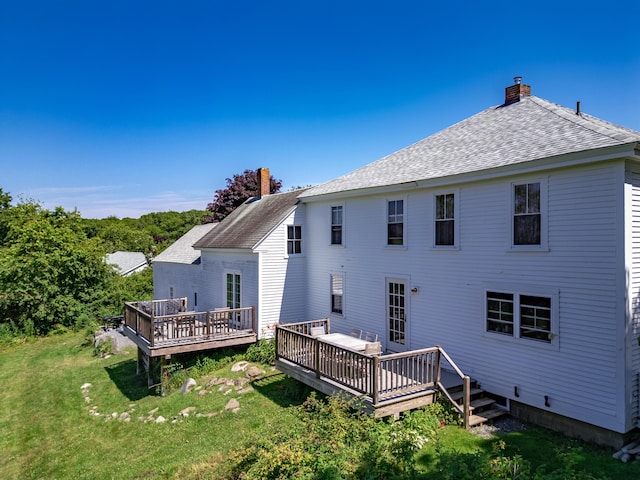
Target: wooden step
<point>485,416</point>
<point>481,402</point>
<point>458,395</point>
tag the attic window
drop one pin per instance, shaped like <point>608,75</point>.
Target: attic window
<point>294,239</point>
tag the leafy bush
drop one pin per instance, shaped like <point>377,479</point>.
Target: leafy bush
<point>335,439</point>
<point>262,352</point>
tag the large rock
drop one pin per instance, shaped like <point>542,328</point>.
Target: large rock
<point>233,405</point>
<point>240,366</point>
<point>187,386</point>
<point>254,372</point>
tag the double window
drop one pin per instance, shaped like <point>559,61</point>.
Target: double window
<point>520,315</point>
<point>336,225</point>
<point>337,294</point>
<point>294,239</point>
<point>395,222</point>
<point>445,220</point>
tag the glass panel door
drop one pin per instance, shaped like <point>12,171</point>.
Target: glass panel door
<point>233,290</point>
<point>397,315</point>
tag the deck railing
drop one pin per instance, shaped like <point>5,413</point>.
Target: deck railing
<point>167,321</point>
<point>380,377</point>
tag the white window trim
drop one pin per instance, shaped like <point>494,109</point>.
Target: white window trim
<point>405,217</point>
<point>286,241</point>
<point>336,314</point>
<point>517,291</point>
<point>337,245</point>
<point>456,220</point>
<point>544,210</point>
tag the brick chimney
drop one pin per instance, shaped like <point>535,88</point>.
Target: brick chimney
<point>515,92</point>
<point>264,183</point>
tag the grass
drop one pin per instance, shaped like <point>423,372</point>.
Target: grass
<point>48,431</point>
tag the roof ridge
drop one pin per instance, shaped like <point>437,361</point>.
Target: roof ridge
<point>569,116</point>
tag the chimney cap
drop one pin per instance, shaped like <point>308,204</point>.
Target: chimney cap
<point>517,79</point>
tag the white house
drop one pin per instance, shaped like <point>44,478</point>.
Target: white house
<point>177,271</point>
<point>254,258</point>
<point>511,239</point>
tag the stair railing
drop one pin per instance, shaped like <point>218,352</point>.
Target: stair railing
<point>465,409</point>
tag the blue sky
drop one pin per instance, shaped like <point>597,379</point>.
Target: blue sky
<point>126,107</point>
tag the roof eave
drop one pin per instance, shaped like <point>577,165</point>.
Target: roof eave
<point>626,150</point>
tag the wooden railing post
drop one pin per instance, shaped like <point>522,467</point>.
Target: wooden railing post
<point>253,320</point>
<point>277,341</point>
<point>316,360</point>
<point>375,381</point>
<point>438,364</point>
<point>328,325</point>
<point>466,390</point>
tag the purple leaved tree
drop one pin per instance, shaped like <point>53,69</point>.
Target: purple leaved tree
<point>239,188</point>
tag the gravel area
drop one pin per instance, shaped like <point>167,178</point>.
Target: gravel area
<point>502,425</point>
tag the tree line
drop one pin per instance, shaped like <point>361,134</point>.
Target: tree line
<point>53,274</point>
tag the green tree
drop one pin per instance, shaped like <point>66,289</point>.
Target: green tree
<point>50,272</point>
<point>5,204</point>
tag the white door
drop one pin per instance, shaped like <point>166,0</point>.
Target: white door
<point>233,290</point>
<point>397,315</point>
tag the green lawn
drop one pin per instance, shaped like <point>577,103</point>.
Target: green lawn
<point>47,430</point>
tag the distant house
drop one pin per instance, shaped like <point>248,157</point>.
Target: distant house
<point>511,239</point>
<point>127,263</point>
<point>177,271</point>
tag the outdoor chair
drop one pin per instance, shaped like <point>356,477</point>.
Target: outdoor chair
<point>371,337</point>
<point>373,348</point>
<point>356,332</point>
<point>316,331</point>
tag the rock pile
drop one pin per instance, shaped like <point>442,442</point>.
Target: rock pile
<point>226,386</point>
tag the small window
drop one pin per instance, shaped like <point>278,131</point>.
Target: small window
<point>294,239</point>
<point>500,313</point>
<point>445,219</point>
<point>170,292</point>
<point>195,299</point>
<point>526,214</point>
<point>395,222</point>
<point>336,225</point>
<point>337,282</point>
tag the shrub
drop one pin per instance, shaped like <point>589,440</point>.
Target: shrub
<point>262,352</point>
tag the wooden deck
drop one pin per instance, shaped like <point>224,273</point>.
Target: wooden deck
<point>388,384</point>
<point>166,327</point>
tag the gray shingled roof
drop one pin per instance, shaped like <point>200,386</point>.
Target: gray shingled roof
<point>182,251</point>
<point>248,224</point>
<point>530,129</point>
<point>126,262</point>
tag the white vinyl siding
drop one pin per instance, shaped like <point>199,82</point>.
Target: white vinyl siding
<point>579,262</point>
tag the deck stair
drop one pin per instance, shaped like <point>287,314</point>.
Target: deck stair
<point>482,407</point>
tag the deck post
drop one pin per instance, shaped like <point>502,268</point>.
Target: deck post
<point>140,361</point>
<point>316,360</point>
<point>438,363</point>
<point>328,325</point>
<point>375,380</point>
<point>253,320</point>
<point>466,389</point>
